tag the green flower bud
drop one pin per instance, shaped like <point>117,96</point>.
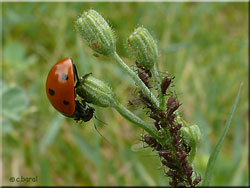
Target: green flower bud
<point>142,47</point>
<point>96,32</point>
<point>191,136</point>
<point>96,92</point>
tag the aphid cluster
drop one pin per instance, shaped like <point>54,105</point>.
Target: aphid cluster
<point>175,153</point>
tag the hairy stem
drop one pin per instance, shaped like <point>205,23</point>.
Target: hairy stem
<point>137,80</point>
<point>137,121</point>
<point>157,81</point>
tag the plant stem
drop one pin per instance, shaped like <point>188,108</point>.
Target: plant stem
<point>137,121</point>
<point>137,80</point>
<point>157,81</point>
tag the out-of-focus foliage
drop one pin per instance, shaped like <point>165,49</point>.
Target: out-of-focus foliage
<point>204,45</point>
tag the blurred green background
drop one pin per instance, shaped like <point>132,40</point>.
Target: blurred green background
<point>204,45</point>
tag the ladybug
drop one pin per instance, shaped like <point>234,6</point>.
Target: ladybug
<point>60,89</point>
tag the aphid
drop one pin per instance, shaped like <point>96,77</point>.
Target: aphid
<point>178,126</point>
<point>143,76</point>
<point>172,127</point>
<point>170,173</point>
<point>164,153</point>
<point>179,149</point>
<point>170,118</point>
<point>183,156</point>
<point>196,180</point>
<point>189,180</point>
<point>189,171</point>
<point>172,105</point>
<point>147,71</point>
<point>165,84</point>
<point>183,162</point>
<point>169,164</point>
<point>161,114</point>
<point>145,99</point>
<point>135,102</point>
<point>187,148</point>
<point>154,116</point>
<point>60,90</point>
<point>157,125</point>
<point>164,123</point>
<point>152,142</point>
<point>173,183</point>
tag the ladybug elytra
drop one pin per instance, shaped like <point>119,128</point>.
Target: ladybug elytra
<point>60,89</point>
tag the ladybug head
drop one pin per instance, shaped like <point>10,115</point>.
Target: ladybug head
<point>83,111</point>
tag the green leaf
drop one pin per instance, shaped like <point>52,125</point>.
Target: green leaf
<point>215,153</point>
<point>15,101</point>
<point>7,125</point>
<point>51,133</point>
<point>14,54</point>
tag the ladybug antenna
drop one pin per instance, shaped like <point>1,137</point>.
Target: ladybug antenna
<point>100,120</point>
<point>101,134</point>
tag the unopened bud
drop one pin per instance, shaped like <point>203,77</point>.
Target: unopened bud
<point>142,47</point>
<point>96,92</point>
<point>96,32</point>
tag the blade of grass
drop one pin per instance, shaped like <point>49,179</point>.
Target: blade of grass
<point>51,133</point>
<point>86,149</point>
<point>214,155</point>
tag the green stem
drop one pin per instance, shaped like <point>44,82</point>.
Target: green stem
<point>157,80</point>
<point>137,80</point>
<point>137,121</point>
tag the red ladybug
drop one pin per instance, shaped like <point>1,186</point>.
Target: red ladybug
<point>60,90</point>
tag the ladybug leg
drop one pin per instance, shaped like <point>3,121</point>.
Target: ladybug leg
<point>78,80</point>
<point>76,76</point>
<point>85,76</point>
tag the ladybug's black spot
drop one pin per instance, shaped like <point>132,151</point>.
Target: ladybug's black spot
<point>51,92</point>
<point>66,102</point>
<point>65,77</point>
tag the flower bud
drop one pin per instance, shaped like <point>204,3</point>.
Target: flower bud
<point>191,136</point>
<point>142,47</point>
<point>96,92</point>
<point>96,32</point>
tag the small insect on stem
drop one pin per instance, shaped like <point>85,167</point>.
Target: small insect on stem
<point>144,77</point>
<point>135,102</point>
<point>164,153</point>
<point>145,99</point>
<point>196,180</point>
<point>152,142</point>
<point>172,105</point>
<point>165,84</point>
<point>147,71</point>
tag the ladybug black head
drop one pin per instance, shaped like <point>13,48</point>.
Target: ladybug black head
<point>83,111</point>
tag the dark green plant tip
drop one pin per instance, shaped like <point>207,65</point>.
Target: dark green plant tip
<point>142,47</point>
<point>96,32</point>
